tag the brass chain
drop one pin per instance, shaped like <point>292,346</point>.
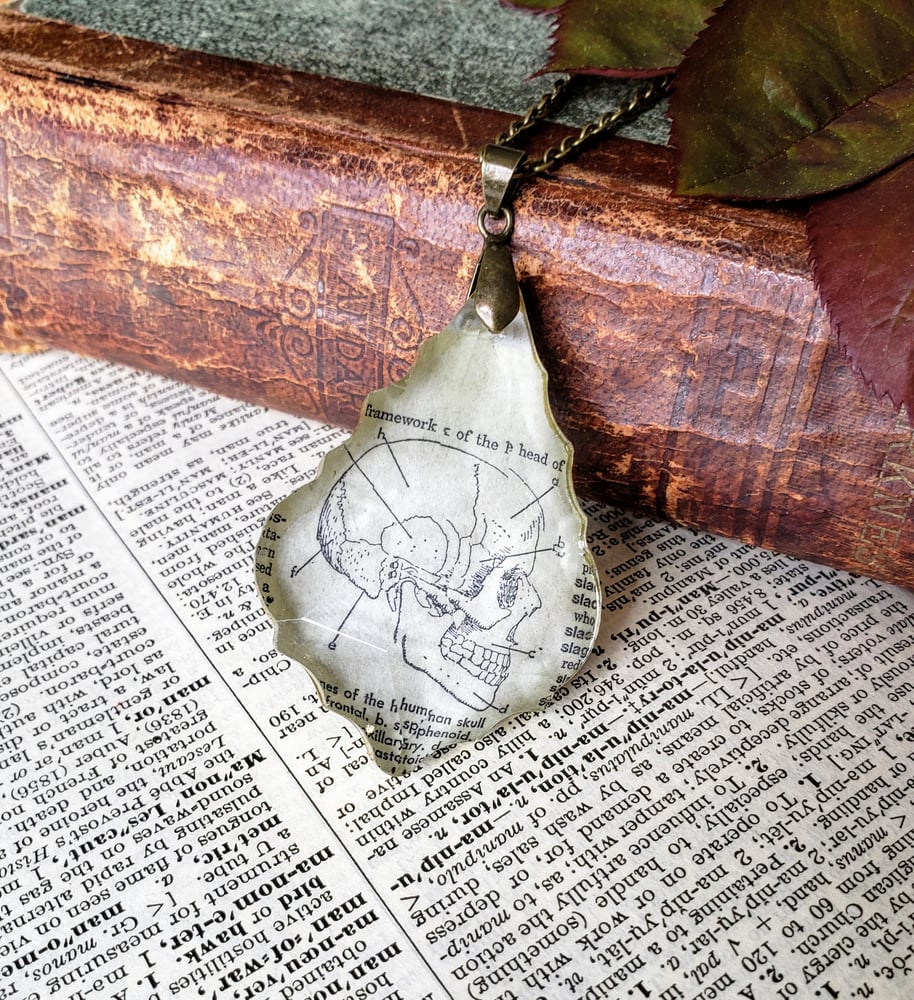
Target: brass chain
<point>534,113</point>
<point>643,98</point>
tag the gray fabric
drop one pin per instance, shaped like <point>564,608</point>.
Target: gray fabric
<point>474,51</point>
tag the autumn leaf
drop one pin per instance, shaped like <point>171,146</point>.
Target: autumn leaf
<point>863,262</point>
<point>621,37</point>
<point>790,98</point>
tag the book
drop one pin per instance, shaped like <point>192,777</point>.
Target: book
<point>289,240</point>
<point>716,805</point>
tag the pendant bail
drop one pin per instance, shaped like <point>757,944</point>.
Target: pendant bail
<point>494,288</point>
<point>499,171</point>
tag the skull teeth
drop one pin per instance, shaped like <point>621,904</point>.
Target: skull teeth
<point>483,662</point>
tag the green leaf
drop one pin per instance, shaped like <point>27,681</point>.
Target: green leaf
<point>863,263</point>
<point>622,37</point>
<point>790,98</point>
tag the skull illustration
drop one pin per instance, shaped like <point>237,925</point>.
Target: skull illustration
<point>450,554</point>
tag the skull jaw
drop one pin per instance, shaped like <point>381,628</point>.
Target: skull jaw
<point>469,671</point>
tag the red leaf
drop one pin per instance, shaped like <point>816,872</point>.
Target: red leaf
<point>863,262</point>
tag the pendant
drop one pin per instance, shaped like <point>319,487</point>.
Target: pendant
<point>434,577</point>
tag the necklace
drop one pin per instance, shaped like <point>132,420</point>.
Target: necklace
<point>434,578</point>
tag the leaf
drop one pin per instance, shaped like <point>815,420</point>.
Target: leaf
<point>790,98</point>
<point>863,263</point>
<point>621,37</point>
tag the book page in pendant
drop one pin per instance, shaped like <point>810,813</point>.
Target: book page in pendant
<point>718,805</point>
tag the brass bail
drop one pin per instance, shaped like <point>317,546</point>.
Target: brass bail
<point>499,168</point>
<point>494,289</point>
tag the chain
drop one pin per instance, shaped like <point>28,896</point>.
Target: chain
<point>494,287</point>
<point>534,113</point>
<point>639,101</point>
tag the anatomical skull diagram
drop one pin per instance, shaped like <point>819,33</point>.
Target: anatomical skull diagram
<point>449,547</point>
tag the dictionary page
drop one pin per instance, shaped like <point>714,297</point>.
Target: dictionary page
<point>718,805</point>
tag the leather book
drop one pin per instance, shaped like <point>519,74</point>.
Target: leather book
<point>289,240</point>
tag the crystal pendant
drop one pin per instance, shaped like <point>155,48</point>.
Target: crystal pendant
<point>434,578</point>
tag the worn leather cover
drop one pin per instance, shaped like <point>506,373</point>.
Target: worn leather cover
<point>290,239</point>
